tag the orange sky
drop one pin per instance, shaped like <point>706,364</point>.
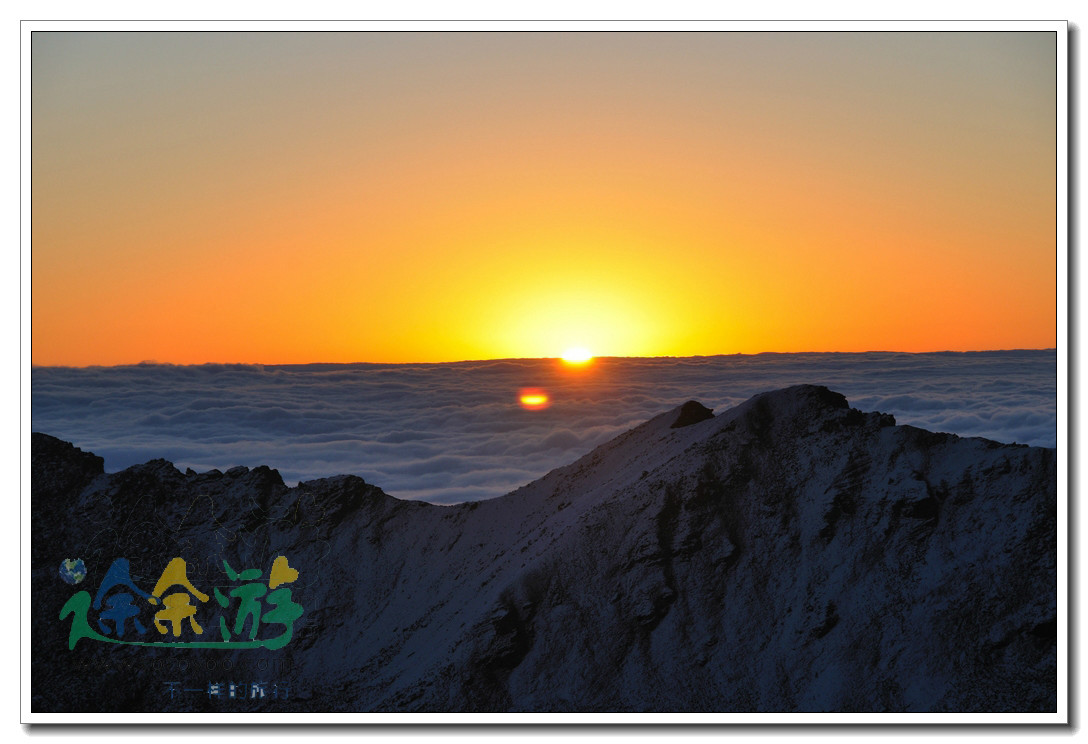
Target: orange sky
<point>283,198</point>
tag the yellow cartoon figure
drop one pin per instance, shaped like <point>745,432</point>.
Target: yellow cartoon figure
<point>176,606</point>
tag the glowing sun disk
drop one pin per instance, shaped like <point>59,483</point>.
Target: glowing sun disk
<point>576,355</point>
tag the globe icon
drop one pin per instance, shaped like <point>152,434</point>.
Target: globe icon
<point>73,571</point>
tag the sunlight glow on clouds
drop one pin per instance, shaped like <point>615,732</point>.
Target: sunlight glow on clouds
<point>455,432</point>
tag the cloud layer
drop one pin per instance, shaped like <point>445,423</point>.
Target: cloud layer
<point>455,432</point>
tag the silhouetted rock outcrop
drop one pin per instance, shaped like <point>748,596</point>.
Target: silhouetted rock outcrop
<point>692,412</point>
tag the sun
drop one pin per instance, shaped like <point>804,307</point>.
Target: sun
<point>577,355</point>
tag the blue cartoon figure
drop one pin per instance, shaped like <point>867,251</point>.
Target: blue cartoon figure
<point>120,606</point>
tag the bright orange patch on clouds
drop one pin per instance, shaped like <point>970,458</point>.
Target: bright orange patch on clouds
<point>533,399</point>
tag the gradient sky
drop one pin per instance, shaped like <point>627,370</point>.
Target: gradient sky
<point>399,197</point>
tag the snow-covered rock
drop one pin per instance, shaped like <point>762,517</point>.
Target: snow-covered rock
<point>789,554</point>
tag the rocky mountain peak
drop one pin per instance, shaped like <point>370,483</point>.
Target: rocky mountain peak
<point>690,413</point>
<point>789,554</point>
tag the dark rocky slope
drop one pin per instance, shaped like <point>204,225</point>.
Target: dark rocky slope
<point>790,554</point>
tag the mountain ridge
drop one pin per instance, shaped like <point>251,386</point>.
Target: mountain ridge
<point>783,555</point>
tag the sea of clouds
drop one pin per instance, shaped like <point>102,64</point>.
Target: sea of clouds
<point>455,432</point>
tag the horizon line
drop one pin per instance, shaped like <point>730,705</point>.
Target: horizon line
<point>155,363</point>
